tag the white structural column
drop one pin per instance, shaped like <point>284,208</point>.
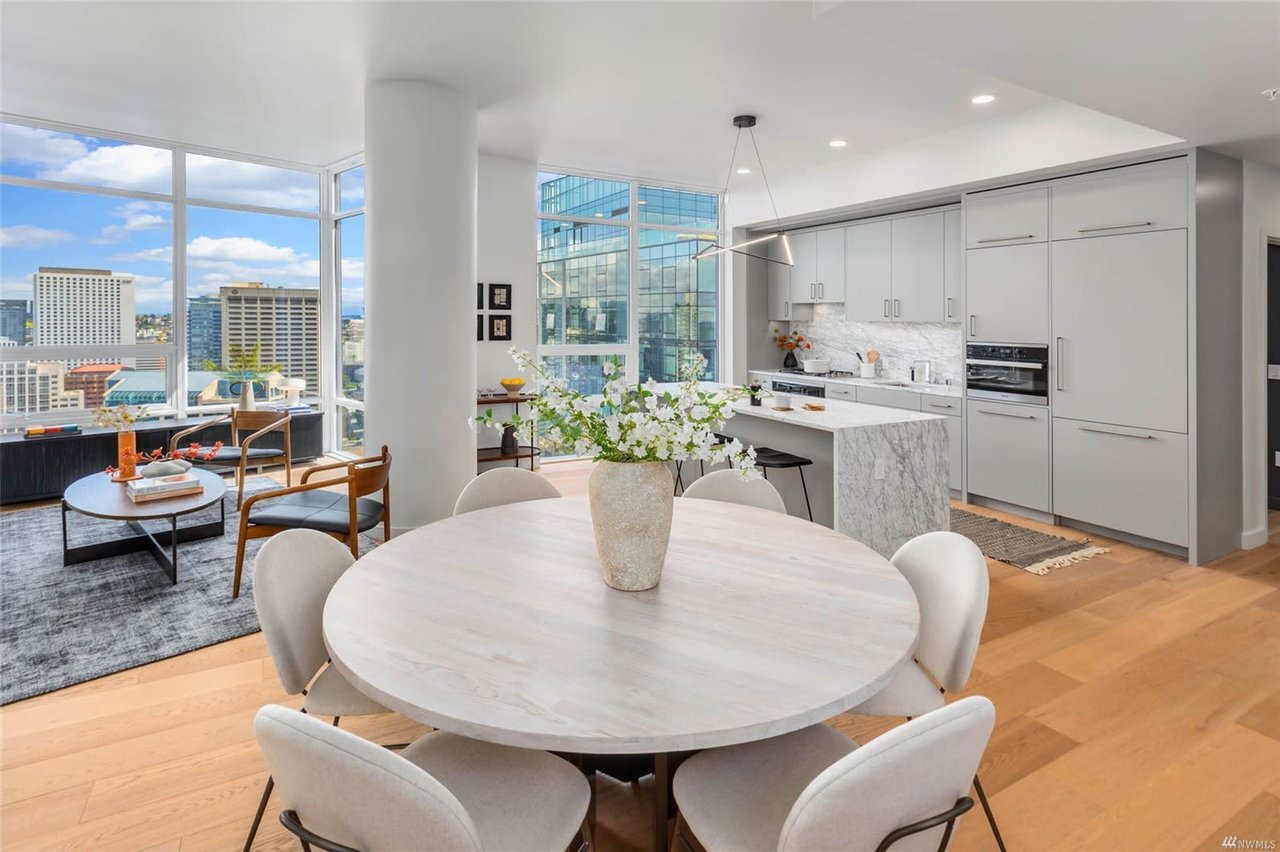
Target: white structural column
<point>420,351</point>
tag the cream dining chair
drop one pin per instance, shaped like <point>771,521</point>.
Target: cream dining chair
<point>817,789</point>
<point>444,792</point>
<point>292,576</point>
<point>729,486</point>
<point>501,486</point>
<point>949,576</point>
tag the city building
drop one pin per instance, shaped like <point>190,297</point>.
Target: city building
<point>15,320</point>
<point>92,380</point>
<point>82,307</point>
<point>34,387</point>
<point>204,331</point>
<point>285,321</point>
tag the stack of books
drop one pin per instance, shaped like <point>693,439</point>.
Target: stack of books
<point>51,431</point>
<point>162,487</point>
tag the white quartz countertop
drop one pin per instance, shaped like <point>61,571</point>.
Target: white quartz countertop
<point>838,416</point>
<point>891,384</point>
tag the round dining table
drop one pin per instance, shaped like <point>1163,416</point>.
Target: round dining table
<point>497,625</point>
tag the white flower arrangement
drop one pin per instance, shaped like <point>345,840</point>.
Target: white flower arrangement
<point>635,422</point>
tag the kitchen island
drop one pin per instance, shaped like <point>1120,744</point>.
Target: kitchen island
<point>879,475</point>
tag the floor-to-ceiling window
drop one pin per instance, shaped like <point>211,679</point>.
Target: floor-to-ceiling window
<point>134,271</point>
<point>617,278</point>
<point>348,240</point>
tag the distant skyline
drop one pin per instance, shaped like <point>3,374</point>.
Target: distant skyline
<point>46,227</point>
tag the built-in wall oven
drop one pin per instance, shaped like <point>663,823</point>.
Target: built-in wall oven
<point>1009,373</point>
<point>797,388</point>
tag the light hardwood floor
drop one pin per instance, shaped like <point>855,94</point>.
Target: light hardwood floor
<point>1138,701</point>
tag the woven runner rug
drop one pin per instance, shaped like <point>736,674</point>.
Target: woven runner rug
<point>1029,550</point>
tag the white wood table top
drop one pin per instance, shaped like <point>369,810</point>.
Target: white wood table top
<point>497,625</point>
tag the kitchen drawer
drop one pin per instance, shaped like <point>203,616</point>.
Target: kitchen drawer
<point>936,404</point>
<point>848,393</point>
<point>1007,218</point>
<point>1150,197</point>
<point>1007,454</point>
<point>891,397</point>
<point>1133,480</point>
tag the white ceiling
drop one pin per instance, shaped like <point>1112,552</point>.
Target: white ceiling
<point>632,88</point>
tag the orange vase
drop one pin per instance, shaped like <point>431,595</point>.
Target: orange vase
<point>126,456</point>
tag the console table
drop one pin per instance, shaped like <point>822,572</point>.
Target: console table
<point>42,468</point>
<point>523,451</point>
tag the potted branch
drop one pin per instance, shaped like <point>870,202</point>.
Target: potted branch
<point>633,431</point>
<point>244,369</point>
<point>121,418</point>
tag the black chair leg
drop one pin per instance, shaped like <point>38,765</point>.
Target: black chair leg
<point>807,507</point>
<point>262,809</point>
<point>991,818</point>
<point>679,481</point>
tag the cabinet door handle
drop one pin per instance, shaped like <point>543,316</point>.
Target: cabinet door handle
<point>886,307</point>
<point>1008,414</point>
<point>822,290</point>
<point>1114,227</point>
<point>1007,239</point>
<point>1121,434</point>
<point>897,307</point>
<point>813,291</point>
<point>941,405</point>
<point>786,309</point>
<point>1060,387</point>
<point>973,320</point>
<point>950,313</point>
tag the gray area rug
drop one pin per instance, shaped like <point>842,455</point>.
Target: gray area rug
<point>1029,550</point>
<point>65,625</point>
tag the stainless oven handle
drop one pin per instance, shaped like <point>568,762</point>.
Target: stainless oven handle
<point>1022,365</point>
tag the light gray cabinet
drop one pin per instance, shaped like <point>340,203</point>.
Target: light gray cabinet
<point>1149,197</point>
<point>1119,352</point>
<point>1133,480</point>
<point>1007,217</point>
<point>917,268</point>
<point>1007,454</point>
<point>1007,294</point>
<point>868,272</point>
<point>952,306</point>
<point>782,308</point>
<point>892,397</point>
<point>955,452</point>
<point>804,275</point>
<point>830,266</point>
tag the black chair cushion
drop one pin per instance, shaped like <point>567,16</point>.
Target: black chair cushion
<point>776,458</point>
<point>317,510</point>
<point>232,454</point>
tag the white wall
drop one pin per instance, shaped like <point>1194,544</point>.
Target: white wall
<point>1261,222</point>
<point>506,241</point>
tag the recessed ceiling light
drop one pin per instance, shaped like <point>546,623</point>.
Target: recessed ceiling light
<point>837,143</point>
<point>744,171</point>
<point>982,99</point>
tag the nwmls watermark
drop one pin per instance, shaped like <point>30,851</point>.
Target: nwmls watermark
<point>1233,842</point>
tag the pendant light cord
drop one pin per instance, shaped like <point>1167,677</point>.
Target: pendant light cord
<point>732,158</point>
<point>777,220</point>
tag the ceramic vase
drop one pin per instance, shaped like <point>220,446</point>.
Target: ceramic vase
<point>247,401</point>
<point>790,361</point>
<point>126,456</point>
<point>631,508</point>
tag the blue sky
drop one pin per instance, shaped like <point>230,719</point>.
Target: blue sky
<point>44,227</point>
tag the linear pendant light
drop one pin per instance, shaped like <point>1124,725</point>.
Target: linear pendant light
<point>748,123</point>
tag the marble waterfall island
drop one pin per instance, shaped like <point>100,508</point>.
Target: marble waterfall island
<point>879,475</point>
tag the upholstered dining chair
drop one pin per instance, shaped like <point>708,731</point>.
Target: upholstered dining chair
<point>292,576</point>
<point>315,506</point>
<point>949,576</point>
<point>729,486</point>
<point>817,789</point>
<point>242,452</point>
<point>501,486</point>
<point>444,792</point>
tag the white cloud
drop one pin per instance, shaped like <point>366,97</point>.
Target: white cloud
<point>136,216</point>
<point>250,183</point>
<point>238,248</point>
<point>22,144</point>
<point>31,236</point>
<point>16,288</point>
<point>151,255</point>
<point>125,166</point>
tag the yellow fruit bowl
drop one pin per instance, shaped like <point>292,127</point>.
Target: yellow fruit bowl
<point>514,386</point>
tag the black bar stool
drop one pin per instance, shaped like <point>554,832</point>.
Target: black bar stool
<point>768,459</point>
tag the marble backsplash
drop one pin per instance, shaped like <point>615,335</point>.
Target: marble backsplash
<point>899,343</point>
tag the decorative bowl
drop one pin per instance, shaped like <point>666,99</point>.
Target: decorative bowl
<point>514,386</point>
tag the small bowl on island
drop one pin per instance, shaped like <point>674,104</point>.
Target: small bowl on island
<point>514,386</point>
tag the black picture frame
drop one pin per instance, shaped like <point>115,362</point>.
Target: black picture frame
<point>499,326</point>
<point>499,297</point>
<point>479,327</point>
<point>479,295</point>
